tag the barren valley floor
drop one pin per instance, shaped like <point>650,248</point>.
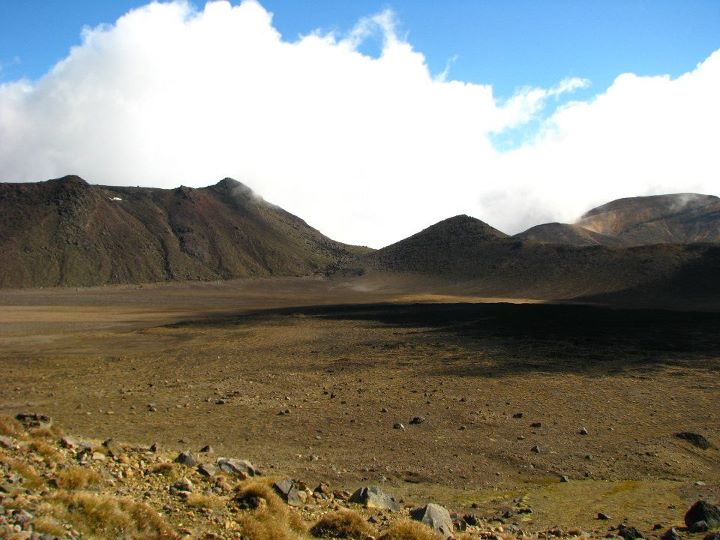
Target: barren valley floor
<point>218,364</point>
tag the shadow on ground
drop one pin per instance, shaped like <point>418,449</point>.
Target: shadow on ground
<point>507,339</point>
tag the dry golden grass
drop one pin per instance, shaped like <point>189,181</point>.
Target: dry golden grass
<point>49,525</point>
<point>49,453</point>
<point>11,427</point>
<point>166,469</point>
<point>31,478</point>
<point>410,530</point>
<point>200,500</point>
<point>51,432</point>
<point>75,478</point>
<point>98,516</point>
<point>268,517</point>
<point>342,524</point>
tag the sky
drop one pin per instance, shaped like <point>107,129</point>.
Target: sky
<point>370,120</point>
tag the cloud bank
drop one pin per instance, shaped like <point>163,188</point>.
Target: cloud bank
<point>367,149</point>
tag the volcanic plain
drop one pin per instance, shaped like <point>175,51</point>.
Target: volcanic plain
<point>481,404</point>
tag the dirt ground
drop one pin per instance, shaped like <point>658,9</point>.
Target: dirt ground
<point>196,364</point>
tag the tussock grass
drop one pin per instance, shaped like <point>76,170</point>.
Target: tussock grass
<point>31,478</point>
<point>200,500</point>
<point>49,525</point>
<point>76,478</point>
<point>98,516</point>
<point>342,524</point>
<point>11,427</point>
<point>51,432</point>
<point>165,468</point>
<point>267,517</point>
<point>410,530</point>
<point>47,451</point>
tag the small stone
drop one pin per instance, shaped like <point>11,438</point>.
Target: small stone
<point>583,431</point>
<point>207,470</point>
<point>602,516</point>
<point>98,456</point>
<point>535,449</point>
<point>207,450</point>
<point>518,415</point>
<point>183,485</point>
<point>238,467</point>
<point>398,425</point>
<point>564,478</point>
<point>536,425</point>
<point>186,458</point>
<point>699,526</point>
<point>417,420</point>
<point>629,533</point>
<point>374,497</point>
<point>6,442</point>
<point>671,534</point>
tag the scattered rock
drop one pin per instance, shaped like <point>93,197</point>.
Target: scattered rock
<point>417,420</point>
<point>471,519</point>
<point>113,448</point>
<point>536,425</point>
<point>238,467</point>
<point>6,442</point>
<point>436,517</point>
<point>712,536</point>
<point>629,533</point>
<point>34,420</point>
<point>207,470</point>
<point>603,516</point>
<point>374,497</point>
<point>694,438</point>
<point>518,415</point>
<point>583,431</point>
<point>183,485</point>
<point>289,492</point>
<point>186,458</point>
<point>398,425</point>
<point>207,450</point>
<point>535,449</point>
<point>703,511</point>
<point>699,526</point>
<point>564,478</point>
<point>671,534</point>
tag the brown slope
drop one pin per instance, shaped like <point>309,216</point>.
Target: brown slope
<point>67,232</point>
<point>566,234</point>
<point>672,219</point>
<point>497,266</point>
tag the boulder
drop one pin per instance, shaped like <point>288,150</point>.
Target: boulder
<point>703,511</point>
<point>208,470</point>
<point>374,497</point>
<point>671,534</point>
<point>436,517</point>
<point>629,533</point>
<point>290,492</point>
<point>237,467</point>
<point>186,458</point>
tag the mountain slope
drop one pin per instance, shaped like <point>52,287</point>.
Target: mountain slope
<point>566,234</point>
<point>67,232</point>
<point>661,219</point>
<point>493,265</point>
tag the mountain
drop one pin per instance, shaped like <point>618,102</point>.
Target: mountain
<point>465,256</point>
<point>68,232</point>
<point>567,234</point>
<point>681,218</point>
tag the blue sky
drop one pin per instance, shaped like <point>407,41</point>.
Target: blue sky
<point>548,108</point>
<point>508,44</point>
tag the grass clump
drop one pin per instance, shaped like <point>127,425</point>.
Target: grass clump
<point>98,516</point>
<point>342,524</point>
<point>31,479</point>
<point>10,427</point>
<point>410,530</point>
<point>49,453</point>
<point>76,478</point>
<point>200,500</point>
<point>49,525</point>
<point>267,516</point>
<point>165,468</point>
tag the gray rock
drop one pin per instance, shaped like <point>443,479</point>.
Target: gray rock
<point>671,534</point>
<point>186,458</point>
<point>712,536</point>
<point>374,497</point>
<point>703,511</point>
<point>564,478</point>
<point>34,420</point>
<point>535,449</point>
<point>398,425</point>
<point>289,492</point>
<point>417,420</point>
<point>583,431</point>
<point>238,467</point>
<point>436,517</point>
<point>207,450</point>
<point>207,470</point>
<point>183,485</point>
<point>629,533</point>
<point>603,516</point>
<point>699,526</point>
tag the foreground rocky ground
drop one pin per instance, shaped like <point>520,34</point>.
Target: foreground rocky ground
<point>56,486</point>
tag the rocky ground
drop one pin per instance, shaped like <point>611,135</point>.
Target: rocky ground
<point>531,418</point>
<point>56,486</point>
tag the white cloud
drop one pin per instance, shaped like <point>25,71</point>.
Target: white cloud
<point>368,150</point>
